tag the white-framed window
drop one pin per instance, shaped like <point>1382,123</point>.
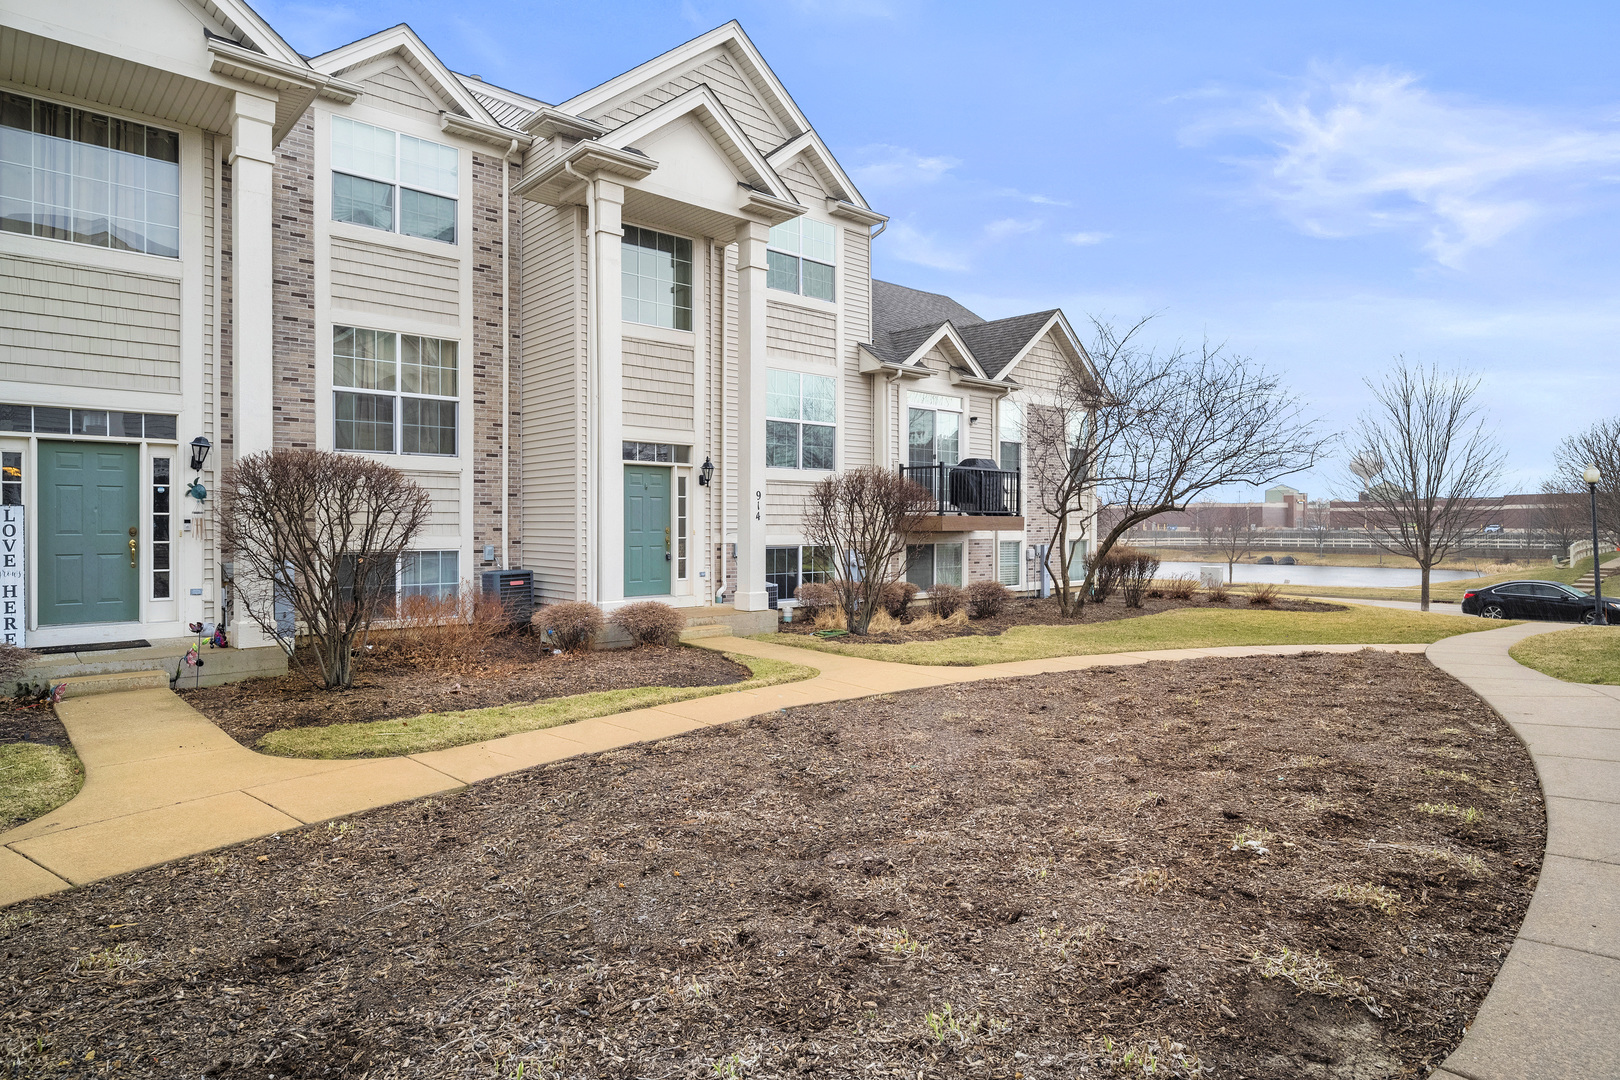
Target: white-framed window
<point>394,393</point>
<point>680,527</point>
<point>80,176</point>
<point>1011,422</point>
<point>790,567</point>
<point>1010,562</point>
<point>388,180</point>
<point>162,495</point>
<point>934,429</point>
<point>928,565</point>
<point>656,278</point>
<point>433,574</point>
<point>801,413</point>
<point>801,257</point>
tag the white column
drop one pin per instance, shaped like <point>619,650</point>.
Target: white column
<point>252,301</point>
<point>607,448</point>
<point>751,594</point>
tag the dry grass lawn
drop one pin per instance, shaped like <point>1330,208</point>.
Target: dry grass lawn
<point>1585,654</point>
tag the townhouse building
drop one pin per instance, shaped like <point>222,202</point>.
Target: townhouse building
<point>617,337</point>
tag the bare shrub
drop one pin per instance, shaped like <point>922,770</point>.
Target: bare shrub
<point>814,599</point>
<point>1217,595</point>
<point>650,623</point>
<point>987,599</point>
<point>316,537</point>
<point>1106,574</point>
<point>897,598</point>
<point>1180,587</point>
<point>861,519</point>
<point>447,632</point>
<point>1263,595</point>
<point>1138,568</point>
<point>571,626</point>
<point>947,599</point>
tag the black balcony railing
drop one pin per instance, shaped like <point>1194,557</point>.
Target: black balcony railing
<point>974,487</point>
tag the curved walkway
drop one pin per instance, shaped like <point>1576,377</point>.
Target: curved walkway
<point>1553,1010</point>
<point>163,782</point>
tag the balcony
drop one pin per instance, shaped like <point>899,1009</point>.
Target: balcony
<point>971,496</point>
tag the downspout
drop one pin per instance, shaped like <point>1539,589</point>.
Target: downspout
<point>720,431</point>
<point>881,226</point>
<point>506,358</point>
<point>593,530</point>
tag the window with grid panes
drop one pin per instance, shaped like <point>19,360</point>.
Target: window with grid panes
<point>801,256</point>
<point>394,393</point>
<point>800,420</point>
<point>388,180</point>
<point>433,574</point>
<point>656,278</point>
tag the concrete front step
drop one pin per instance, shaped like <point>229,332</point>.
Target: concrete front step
<point>165,655</point>
<point>113,682</point>
<point>705,630</point>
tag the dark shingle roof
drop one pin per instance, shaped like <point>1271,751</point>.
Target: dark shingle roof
<point>902,319</point>
<point>994,344</point>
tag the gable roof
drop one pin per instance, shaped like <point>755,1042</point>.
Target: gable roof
<point>402,41</point>
<point>244,26</point>
<point>809,146</point>
<point>907,322</point>
<point>702,104</point>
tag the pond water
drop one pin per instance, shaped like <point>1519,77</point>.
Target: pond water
<point>1378,577</point>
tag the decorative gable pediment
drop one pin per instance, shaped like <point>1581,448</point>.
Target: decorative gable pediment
<point>396,66</point>
<point>695,128</point>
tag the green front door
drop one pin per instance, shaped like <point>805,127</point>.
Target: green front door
<point>646,531</point>
<point>89,512</point>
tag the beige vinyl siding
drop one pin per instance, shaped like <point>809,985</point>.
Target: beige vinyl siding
<point>982,438</point>
<point>554,400</point>
<point>64,324</point>
<point>1043,367</point>
<point>386,280</point>
<point>210,356</point>
<point>803,183</point>
<point>658,384</point>
<point>444,520</point>
<point>721,75</point>
<point>729,376</point>
<point>796,333</point>
<point>394,86</point>
<point>857,416</point>
<point>784,507</point>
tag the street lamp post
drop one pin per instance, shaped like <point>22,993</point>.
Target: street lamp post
<point>1592,476</point>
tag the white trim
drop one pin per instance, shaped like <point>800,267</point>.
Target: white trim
<point>1068,337</point>
<point>402,40</point>
<point>700,99</point>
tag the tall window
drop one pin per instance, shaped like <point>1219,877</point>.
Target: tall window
<point>800,424</point>
<point>1012,435</point>
<point>935,429</point>
<point>433,574</point>
<point>11,478</point>
<point>790,567</point>
<point>1009,567</point>
<point>800,258</point>
<point>680,527</point>
<point>928,565</point>
<point>70,174</point>
<point>160,528</point>
<point>656,278</point>
<point>386,180</point>
<point>401,392</point>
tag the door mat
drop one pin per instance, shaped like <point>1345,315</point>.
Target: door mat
<point>100,646</point>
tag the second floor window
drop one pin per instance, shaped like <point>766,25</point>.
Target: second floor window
<point>393,393</point>
<point>800,258</point>
<point>391,181</point>
<point>1012,435</point>
<point>75,175</point>
<point>800,424</point>
<point>656,278</point>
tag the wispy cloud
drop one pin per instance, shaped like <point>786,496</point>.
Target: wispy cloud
<point>1005,228</point>
<point>912,245</point>
<point>1086,239</point>
<point>1024,196</point>
<point>882,166</point>
<point>1370,150</point>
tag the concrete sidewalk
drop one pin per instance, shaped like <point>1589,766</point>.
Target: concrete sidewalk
<point>1553,1010</point>
<point>163,782</point>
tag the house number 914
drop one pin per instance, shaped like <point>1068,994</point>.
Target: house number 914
<point>756,504</point>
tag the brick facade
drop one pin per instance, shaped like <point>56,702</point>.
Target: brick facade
<point>486,435</point>
<point>292,240</point>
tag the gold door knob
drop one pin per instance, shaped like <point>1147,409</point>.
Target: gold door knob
<point>132,551</point>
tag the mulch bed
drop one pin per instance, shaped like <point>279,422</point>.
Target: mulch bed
<point>509,669</point>
<point>1032,611</point>
<point>32,721</point>
<point>806,893</point>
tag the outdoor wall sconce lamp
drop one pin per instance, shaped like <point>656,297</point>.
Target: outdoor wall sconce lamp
<point>199,455</point>
<point>705,471</point>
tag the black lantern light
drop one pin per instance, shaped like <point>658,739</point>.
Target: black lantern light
<point>199,452</point>
<point>705,471</point>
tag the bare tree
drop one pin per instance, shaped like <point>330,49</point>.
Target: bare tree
<point>1432,467</point>
<point>862,518</point>
<point>1229,531</point>
<point>318,535</point>
<point>1145,433</point>
<point>1560,515</point>
<point>1598,445</point>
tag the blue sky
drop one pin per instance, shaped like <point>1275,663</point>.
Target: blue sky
<point>1319,186</point>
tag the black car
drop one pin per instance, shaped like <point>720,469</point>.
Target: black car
<point>1537,600</point>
